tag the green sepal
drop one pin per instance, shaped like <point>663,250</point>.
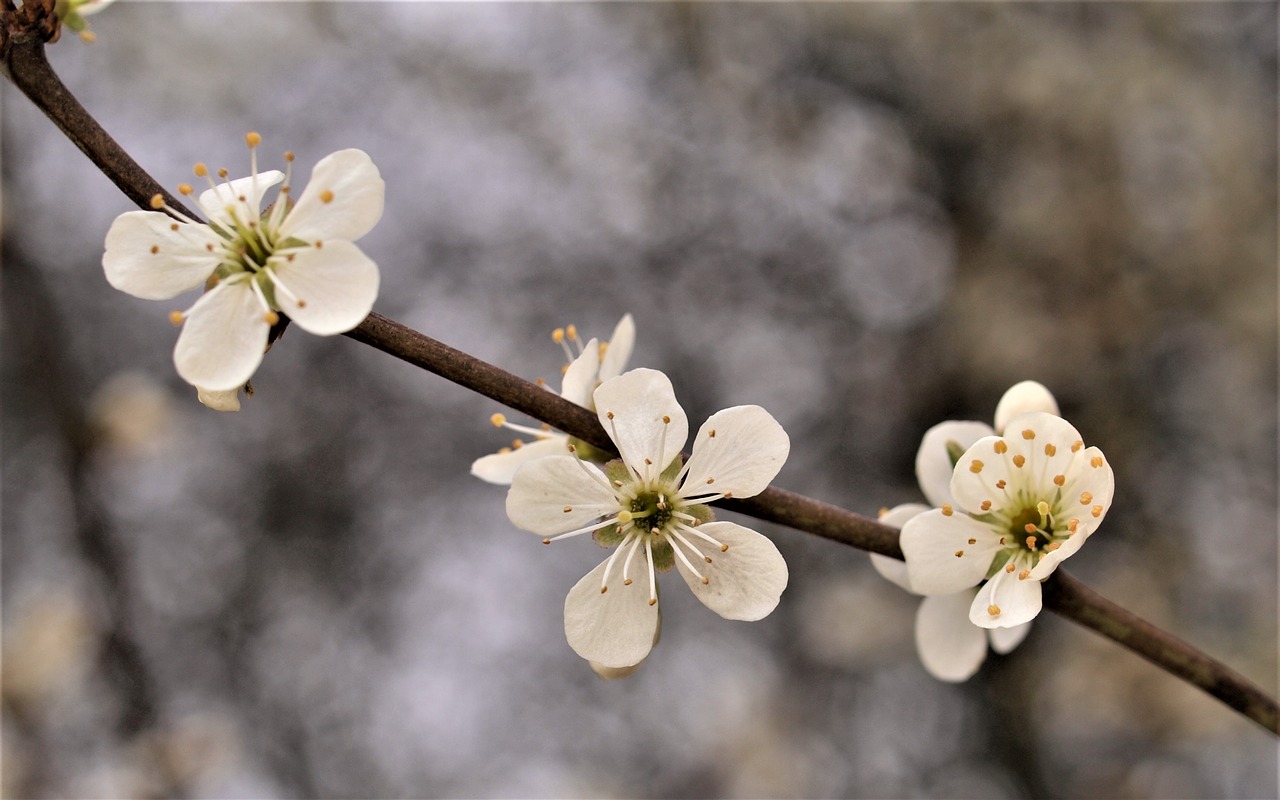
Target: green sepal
<point>608,536</point>
<point>699,512</point>
<point>589,452</point>
<point>954,452</point>
<point>617,471</point>
<point>673,469</point>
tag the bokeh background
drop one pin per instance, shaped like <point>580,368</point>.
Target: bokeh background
<point>866,217</point>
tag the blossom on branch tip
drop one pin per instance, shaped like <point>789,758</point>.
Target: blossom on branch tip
<point>952,648</point>
<point>592,364</point>
<point>652,507</point>
<point>72,13</point>
<point>1023,502</point>
<point>294,258</point>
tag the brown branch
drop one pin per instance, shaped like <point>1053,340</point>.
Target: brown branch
<point>26,66</point>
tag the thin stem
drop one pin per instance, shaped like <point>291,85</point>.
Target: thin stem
<point>24,64</point>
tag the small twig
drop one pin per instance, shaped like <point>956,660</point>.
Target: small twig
<point>24,63</point>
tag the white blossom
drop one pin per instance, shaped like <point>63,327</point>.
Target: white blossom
<point>297,257</point>
<point>594,363</point>
<point>951,648</point>
<point>652,508</point>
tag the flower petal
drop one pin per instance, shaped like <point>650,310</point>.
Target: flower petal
<point>343,200</point>
<point>146,258</point>
<point>219,400</point>
<point>743,582</point>
<point>1090,487</point>
<point>933,460</point>
<point>1004,640</point>
<point>930,542</point>
<point>327,290</point>
<point>581,376</point>
<point>618,351</point>
<point>950,646</point>
<point>1014,599</point>
<point>893,569</point>
<point>616,628</point>
<point>541,490</point>
<point>638,401</point>
<point>237,200</point>
<point>617,673</point>
<point>1022,398</point>
<point>223,338</point>
<point>736,453</point>
<point>499,468</point>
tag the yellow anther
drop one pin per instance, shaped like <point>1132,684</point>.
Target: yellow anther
<point>516,444</point>
<point>1096,511</point>
<point>1019,460</point>
<point>615,483</point>
<point>976,466</point>
<point>326,196</point>
<point>252,138</point>
<point>504,450</point>
<point>959,553</point>
<point>1096,462</point>
<point>648,462</point>
<point>1086,498</point>
<point>1059,480</point>
<point>603,348</point>
<point>1030,527</point>
<point>1073,524</point>
<point>947,510</point>
<point>546,541</point>
<point>711,433</point>
<point>185,189</point>
<point>571,333</point>
<point>155,249</point>
<point>1000,484</point>
<point>1001,447</point>
<point>1009,567</point>
<point>993,610</point>
<point>557,335</point>
<point>498,420</point>
<point>986,505</point>
<point>288,155</point>
<point>88,37</point>
<point>173,226</point>
<point>627,582</point>
<point>711,480</point>
<point>1043,508</point>
<point>724,548</point>
<point>567,509</point>
<point>1028,434</point>
<point>883,510</point>
<point>200,169</point>
<point>1076,447</point>
<point>222,173</point>
<point>1051,546</point>
<point>1050,450</point>
<point>653,601</point>
<point>666,420</point>
<point>176,317</point>
<point>1031,543</point>
<point>1026,573</point>
<point>271,318</point>
<point>157,201</point>
<point>604,589</point>
<point>972,540</point>
<point>705,580</point>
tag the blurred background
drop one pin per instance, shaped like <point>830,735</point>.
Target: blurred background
<point>867,218</point>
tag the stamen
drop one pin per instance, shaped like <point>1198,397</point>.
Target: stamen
<point>1031,542</point>
<point>326,197</point>
<point>959,553</point>
<point>993,610</point>
<point>579,531</point>
<point>1096,462</point>
<point>693,530</point>
<point>626,565</point>
<point>176,317</point>
<point>1086,498</point>
<point>1001,447</point>
<point>608,565</point>
<point>672,537</point>
<point>1028,434</point>
<point>1026,573</point>
<point>1009,567</point>
<point>975,466</point>
<point>653,582</point>
<point>947,510</point>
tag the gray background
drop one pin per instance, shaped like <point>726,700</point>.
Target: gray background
<point>867,218</point>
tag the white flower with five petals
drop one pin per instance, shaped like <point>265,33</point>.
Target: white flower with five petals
<point>951,647</point>
<point>1024,502</point>
<point>297,258</point>
<point>595,363</point>
<point>653,509</point>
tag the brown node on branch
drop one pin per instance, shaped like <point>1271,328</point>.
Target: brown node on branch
<point>33,20</point>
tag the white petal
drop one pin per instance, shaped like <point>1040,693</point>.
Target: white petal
<point>180,261</point>
<point>223,339</point>
<point>224,206</point>
<point>1050,561</point>
<point>499,468</point>
<point>618,353</point>
<point>356,194</point>
<point>219,400</point>
<point>1022,398</point>
<point>638,401</point>
<point>330,289</point>
<point>1088,489</point>
<point>933,461</point>
<point>1017,601</point>
<point>745,581</point>
<point>737,452</point>
<point>1004,640</point>
<point>581,376</point>
<point>616,628</point>
<point>617,673</point>
<point>930,542</point>
<point>893,569</point>
<point>541,490</point>
<point>950,646</point>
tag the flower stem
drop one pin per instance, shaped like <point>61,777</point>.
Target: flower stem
<point>23,61</point>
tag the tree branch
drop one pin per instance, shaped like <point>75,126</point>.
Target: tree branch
<point>26,65</point>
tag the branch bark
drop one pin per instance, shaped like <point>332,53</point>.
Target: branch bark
<point>24,63</point>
